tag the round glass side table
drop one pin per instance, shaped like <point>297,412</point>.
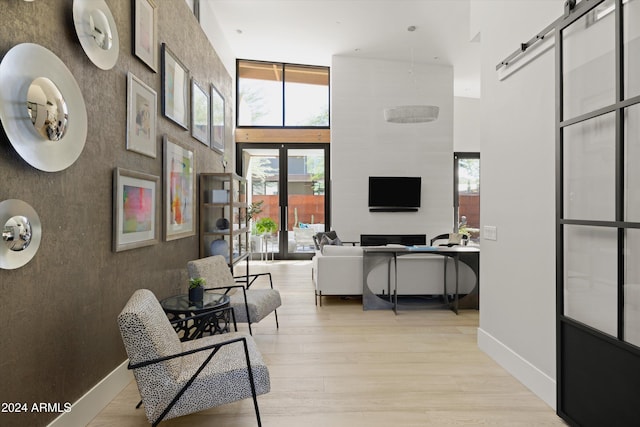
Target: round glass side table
<point>194,320</point>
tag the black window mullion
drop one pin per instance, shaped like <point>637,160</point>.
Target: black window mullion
<point>620,156</point>
<point>284,103</point>
<point>559,217</point>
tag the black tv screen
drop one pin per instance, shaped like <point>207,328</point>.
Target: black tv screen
<point>394,192</point>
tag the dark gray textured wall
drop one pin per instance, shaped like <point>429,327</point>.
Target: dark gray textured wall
<point>58,331</point>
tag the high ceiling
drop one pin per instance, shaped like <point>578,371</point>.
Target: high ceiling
<point>312,31</point>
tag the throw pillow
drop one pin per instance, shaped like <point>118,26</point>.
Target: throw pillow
<point>328,241</point>
<point>317,238</point>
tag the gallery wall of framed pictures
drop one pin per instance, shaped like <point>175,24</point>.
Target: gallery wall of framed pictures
<point>191,103</point>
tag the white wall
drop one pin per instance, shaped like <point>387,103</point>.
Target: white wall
<point>214,33</point>
<point>517,305</point>
<point>363,144</point>
<point>466,125</point>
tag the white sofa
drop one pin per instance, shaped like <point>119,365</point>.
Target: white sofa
<point>337,270</point>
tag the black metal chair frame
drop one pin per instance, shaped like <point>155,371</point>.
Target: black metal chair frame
<point>244,293</point>
<point>445,294</point>
<point>215,348</point>
<point>196,316</point>
<point>446,236</point>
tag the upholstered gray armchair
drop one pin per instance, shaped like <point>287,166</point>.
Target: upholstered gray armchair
<point>178,378</point>
<point>250,305</point>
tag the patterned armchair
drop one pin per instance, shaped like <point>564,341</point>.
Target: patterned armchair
<point>178,378</point>
<point>252,304</point>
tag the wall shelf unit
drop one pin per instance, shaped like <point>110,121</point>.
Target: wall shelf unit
<point>224,228</point>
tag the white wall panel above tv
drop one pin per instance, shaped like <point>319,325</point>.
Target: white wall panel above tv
<point>364,145</point>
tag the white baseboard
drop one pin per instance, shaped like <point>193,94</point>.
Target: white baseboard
<point>96,399</point>
<point>533,378</point>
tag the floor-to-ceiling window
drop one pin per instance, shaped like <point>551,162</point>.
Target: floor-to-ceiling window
<point>282,149</point>
<point>272,94</point>
<point>467,194</point>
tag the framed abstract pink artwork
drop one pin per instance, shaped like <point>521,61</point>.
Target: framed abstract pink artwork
<point>135,214</point>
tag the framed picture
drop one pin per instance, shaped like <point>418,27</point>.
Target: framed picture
<point>179,191</point>
<point>142,107</point>
<point>134,209</point>
<point>145,32</point>
<point>217,120</point>
<point>175,88</point>
<point>200,113</point>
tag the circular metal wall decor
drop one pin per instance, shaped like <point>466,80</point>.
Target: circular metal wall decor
<point>41,108</point>
<point>97,32</point>
<point>21,233</point>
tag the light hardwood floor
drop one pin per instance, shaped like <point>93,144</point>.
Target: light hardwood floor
<point>338,365</point>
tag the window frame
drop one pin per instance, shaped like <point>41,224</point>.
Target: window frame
<point>283,82</point>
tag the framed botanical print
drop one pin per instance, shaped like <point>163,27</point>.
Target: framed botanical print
<point>217,120</point>
<point>200,113</point>
<point>175,88</point>
<point>145,32</point>
<point>179,191</point>
<point>134,209</point>
<point>142,107</point>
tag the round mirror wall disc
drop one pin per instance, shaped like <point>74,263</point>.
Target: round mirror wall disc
<point>47,109</point>
<point>97,32</point>
<point>41,108</point>
<point>21,233</point>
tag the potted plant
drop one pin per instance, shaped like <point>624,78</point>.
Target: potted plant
<point>196,289</point>
<point>266,226</point>
<point>254,209</point>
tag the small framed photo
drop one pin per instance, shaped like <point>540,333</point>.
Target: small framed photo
<point>179,191</point>
<point>142,107</point>
<point>134,209</point>
<point>175,88</point>
<point>217,120</point>
<point>200,113</point>
<point>145,32</point>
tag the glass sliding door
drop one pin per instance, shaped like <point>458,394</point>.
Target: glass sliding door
<point>261,167</point>
<point>598,213</point>
<point>288,185</point>
<point>306,198</point>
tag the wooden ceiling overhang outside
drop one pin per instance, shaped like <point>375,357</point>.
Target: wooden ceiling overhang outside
<point>276,71</point>
<point>269,135</point>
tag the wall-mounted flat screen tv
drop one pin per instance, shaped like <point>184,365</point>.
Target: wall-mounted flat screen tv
<point>394,193</point>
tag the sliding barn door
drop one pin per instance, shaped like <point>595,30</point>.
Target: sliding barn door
<point>598,205</point>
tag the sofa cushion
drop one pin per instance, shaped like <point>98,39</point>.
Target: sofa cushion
<point>330,250</point>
